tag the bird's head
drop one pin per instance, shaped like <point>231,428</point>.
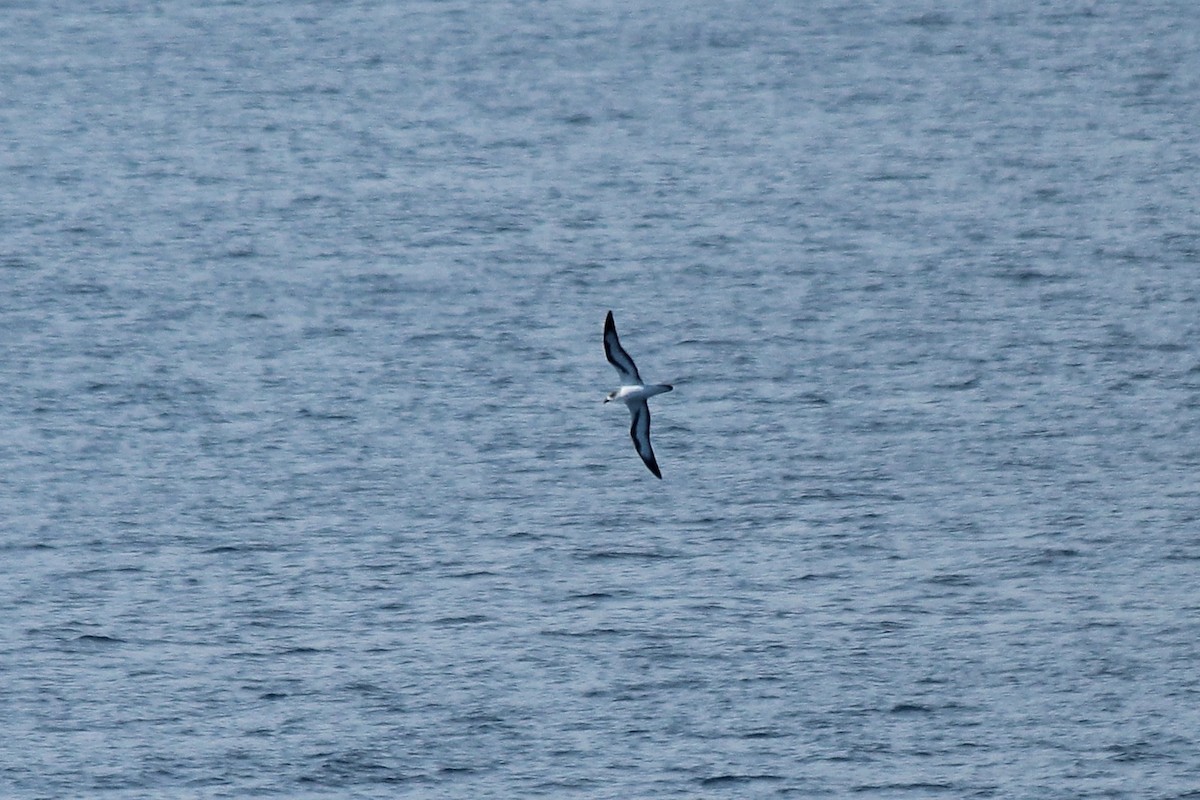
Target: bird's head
<point>611,396</point>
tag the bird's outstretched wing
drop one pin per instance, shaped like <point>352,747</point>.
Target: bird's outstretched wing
<point>617,356</point>
<point>639,431</point>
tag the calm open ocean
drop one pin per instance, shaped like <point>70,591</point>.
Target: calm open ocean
<point>306,485</point>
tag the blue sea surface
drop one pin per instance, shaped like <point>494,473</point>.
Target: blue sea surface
<point>306,485</point>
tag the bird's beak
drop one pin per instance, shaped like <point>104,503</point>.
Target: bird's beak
<point>607,399</point>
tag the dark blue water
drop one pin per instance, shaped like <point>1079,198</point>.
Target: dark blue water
<point>306,484</point>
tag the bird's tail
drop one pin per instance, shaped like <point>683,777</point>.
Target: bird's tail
<point>658,388</point>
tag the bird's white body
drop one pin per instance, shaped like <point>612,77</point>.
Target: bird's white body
<point>632,394</point>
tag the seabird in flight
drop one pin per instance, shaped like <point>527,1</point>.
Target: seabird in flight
<point>633,392</point>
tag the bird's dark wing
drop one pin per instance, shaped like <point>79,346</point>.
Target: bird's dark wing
<point>617,356</point>
<point>639,431</point>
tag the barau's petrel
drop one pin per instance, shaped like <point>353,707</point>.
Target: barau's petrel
<point>633,392</point>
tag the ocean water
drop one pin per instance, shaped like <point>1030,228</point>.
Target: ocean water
<point>306,485</point>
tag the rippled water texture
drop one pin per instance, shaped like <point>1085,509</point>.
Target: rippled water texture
<point>306,483</point>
